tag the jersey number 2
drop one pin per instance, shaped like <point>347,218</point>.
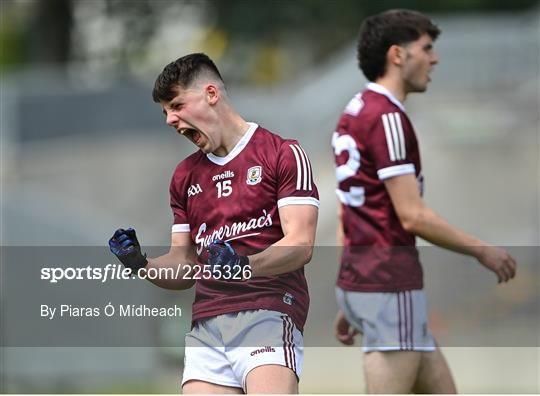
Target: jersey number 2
<point>224,188</point>
<point>356,195</point>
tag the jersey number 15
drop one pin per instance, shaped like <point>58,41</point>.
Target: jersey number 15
<point>224,188</point>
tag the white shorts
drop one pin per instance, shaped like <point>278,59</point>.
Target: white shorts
<point>224,349</point>
<point>388,321</point>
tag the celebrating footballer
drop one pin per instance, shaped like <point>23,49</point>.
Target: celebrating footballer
<point>245,211</point>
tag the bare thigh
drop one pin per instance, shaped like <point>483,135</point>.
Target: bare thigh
<point>434,375</point>
<point>391,371</point>
<point>194,387</point>
<point>272,378</point>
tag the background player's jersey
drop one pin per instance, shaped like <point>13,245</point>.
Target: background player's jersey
<point>236,199</point>
<point>375,141</point>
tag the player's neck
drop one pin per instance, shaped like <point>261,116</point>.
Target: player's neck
<point>395,86</point>
<point>233,128</point>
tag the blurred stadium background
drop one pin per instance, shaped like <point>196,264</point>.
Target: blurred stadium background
<point>84,150</point>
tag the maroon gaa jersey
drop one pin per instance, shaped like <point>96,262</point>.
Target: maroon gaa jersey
<point>236,198</point>
<point>374,141</point>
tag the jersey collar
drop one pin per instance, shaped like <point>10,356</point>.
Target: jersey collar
<point>237,149</point>
<point>383,91</point>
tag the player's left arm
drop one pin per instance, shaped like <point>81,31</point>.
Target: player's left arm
<point>298,203</point>
<point>417,218</point>
<point>294,250</point>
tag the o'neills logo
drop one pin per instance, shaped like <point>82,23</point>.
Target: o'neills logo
<point>225,175</point>
<point>262,350</point>
<point>230,231</point>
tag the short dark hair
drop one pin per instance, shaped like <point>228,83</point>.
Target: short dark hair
<point>181,73</point>
<point>379,32</point>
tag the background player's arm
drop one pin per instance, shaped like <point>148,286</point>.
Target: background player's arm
<point>180,254</point>
<point>418,219</point>
<point>340,234</point>
<point>343,330</point>
<point>294,250</point>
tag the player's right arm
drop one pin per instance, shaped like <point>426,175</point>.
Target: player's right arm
<point>417,218</point>
<point>180,258</point>
<point>169,271</point>
<point>340,233</point>
<point>344,332</point>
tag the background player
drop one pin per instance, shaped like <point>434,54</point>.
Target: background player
<point>254,192</point>
<point>380,283</point>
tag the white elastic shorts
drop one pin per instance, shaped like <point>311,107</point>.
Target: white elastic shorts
<point>388,321</point>
<point>224,349</point>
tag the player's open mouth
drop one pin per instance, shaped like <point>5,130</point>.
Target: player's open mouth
<point>192,134</point>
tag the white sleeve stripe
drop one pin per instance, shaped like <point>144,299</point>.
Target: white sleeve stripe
<point>395,139</point>
<point>297,201</point>
<point>395,135</point>
<point>396,170</point>
<point>298,167</point>
<point>401,135</point>
<point>304,167</point>
<point>308,167</point>
<point>389,141</point>
<point>307,182</point>
<point>180,228</point>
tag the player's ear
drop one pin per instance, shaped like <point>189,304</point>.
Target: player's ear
<point>396,55</point>
<point>212,94</point>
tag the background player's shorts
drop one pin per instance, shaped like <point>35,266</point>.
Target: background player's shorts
<point>225,348</point>
<point>388,321</point>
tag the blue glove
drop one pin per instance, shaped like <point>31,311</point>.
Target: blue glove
<point>222,254</point>
<point>126,247</point>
